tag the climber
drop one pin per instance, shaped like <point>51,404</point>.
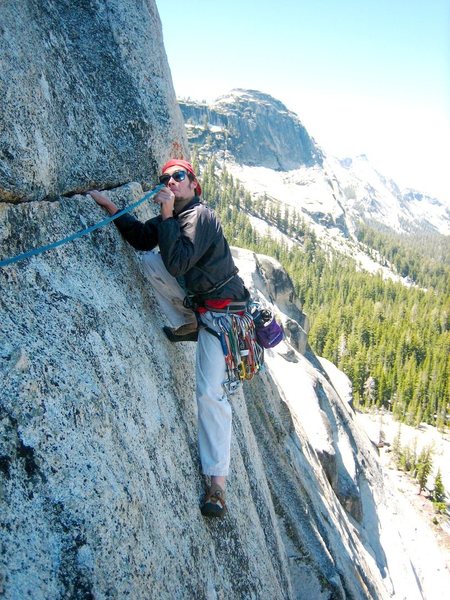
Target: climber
<point>195,280</point>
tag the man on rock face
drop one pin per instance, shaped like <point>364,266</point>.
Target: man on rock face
<point>195,281</point>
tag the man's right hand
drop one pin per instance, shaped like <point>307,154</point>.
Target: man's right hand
<point>104,201</point>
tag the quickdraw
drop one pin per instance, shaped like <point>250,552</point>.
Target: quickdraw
<point>244,357</point>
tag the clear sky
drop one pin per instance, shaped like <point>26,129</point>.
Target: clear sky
<point>367,77</point>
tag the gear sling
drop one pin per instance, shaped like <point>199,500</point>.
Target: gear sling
<point>236,332</point>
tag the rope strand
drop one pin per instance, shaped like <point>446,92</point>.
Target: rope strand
<point>78,234</point>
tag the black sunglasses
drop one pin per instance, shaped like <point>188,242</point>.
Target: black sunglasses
<point>177,176</point>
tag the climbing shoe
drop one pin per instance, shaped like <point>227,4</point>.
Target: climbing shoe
<point>214,502</point>
<point>184,333</point>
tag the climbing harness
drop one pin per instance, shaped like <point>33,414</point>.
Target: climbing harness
<point>78,234</point>
<point>197,300</point>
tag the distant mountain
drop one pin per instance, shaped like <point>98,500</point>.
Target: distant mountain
<point>375,197</point>
<point>266,146</point>
<point>253,129</point>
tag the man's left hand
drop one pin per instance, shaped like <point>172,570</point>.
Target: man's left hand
<point>166,199</point>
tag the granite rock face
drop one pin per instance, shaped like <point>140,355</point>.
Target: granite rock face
<point>87,97</point>
<point>100,480</point>
<point>253,128</point>
<point>280,291</point>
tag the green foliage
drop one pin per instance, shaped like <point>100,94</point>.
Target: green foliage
<point>194,160</point>
<point>405,459</point>
<point>424,467</point>
<point>440,507</point>
<point>424,258</point>
<point>438,489</point>
<point>397,448</point>
<point>408,460</point>
<point>391,340</point>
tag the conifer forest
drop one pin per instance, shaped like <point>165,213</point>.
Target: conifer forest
<point>392,340</point>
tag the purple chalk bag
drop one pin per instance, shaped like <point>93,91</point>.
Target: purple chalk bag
<point>268,332</point>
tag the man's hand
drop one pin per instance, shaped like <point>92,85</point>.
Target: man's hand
<point>104,201</point>
<point>166,199</point>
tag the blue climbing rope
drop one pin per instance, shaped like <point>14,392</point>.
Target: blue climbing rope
<point>81,233</point>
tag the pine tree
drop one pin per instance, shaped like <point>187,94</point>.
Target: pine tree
<point>424,467</point>
<point>407,461</point>
<point>195,159</point>
<point>438,489</point>
<point>369,391</point>
<point>396,447</point>
<point>414,461</point>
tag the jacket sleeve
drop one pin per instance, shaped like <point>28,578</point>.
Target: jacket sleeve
<point>183,243</point>
<point>142,236</point>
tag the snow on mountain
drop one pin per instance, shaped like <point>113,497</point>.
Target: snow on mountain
<point>311,193</point>
<point>369,194</point>
<point>265,145</point>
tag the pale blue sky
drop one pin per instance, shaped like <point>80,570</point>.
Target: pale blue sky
<point>367,77</point>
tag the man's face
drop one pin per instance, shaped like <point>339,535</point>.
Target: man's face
<point>183,190</point>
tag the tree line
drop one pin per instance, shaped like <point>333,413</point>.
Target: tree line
<point>419,466</point>
<point>422,257</point>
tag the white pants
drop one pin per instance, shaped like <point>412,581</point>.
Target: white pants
<point>214,410</point>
